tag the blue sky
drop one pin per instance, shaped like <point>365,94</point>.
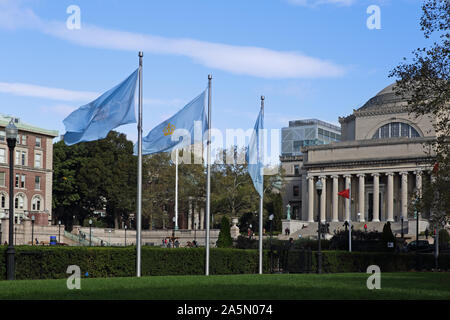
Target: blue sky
<point>310,58</point>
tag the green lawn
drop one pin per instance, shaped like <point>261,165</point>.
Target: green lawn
<point>259,287</point>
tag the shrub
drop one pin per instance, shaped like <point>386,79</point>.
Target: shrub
<point>51,262</point>
<point>224,240</point>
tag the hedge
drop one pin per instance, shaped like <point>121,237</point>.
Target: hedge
<point>52,262</point>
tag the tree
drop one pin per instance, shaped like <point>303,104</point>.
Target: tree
<point>92,176</point>
<point>425,84</point>
<point>224,240</point>
<point>387,236</point>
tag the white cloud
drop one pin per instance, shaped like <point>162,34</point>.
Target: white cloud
<point>245,60</point>
<point>61,109</point>
<point>312,3</point>
<point>31,90</point>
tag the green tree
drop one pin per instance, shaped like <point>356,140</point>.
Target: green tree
<point>224,240</point>
<point>93,176</point>
<point>424,82</point>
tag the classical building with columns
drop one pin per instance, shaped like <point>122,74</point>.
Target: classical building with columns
<point>382,159</point>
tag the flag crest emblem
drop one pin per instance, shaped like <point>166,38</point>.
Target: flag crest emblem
<point>169,129</point>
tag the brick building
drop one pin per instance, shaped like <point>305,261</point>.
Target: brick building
<point>33,172</point>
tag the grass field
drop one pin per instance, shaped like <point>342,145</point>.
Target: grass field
<point>236,287</point>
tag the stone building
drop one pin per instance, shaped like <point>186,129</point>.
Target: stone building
<point>299,134</point>
<point>381,158</point>
<point>33,172</point>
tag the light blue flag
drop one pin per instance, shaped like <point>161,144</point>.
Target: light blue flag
<point>96,119</point>
<point>254,155</point>
<point>178,131</point>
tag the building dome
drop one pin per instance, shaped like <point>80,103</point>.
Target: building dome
<point>386,98</point>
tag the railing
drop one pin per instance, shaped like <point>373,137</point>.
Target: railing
<point>95,241</point>
<point>76,238</point>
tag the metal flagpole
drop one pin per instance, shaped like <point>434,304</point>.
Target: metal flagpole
<point>350,216</point>
<point>176,190</point>
<point>139,177</point>
<point>208,177</point>
<point>261,200</point>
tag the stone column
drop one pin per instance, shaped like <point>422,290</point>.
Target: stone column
<point>335,198</point>
<point>390,196</point>
<point>196,217</point>
<point>189,226</point>
<point>311,199</point>
<point>419,182</point>
<point>362,188</point>
<point>322,199</point>
<point>348,181</point>
<point>404,211</point>
<point>304,198</point>
<point>376,197</point>
<point>202,218</point>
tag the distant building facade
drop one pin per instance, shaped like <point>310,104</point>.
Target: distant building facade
<point>382,159</point>
<point>299,134</point>
<point>33,172</point>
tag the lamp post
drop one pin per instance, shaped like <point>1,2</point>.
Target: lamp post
<point>109,237</point>
<point>271,259</point>
<point>90,232</point>
<point>59,231</point>
<point>401,220</point>
<point>11,137</point>
<point>125,235</point>
<point>195,232</point>
<point>32,229</point>
<point>174,219</point>
<point>319,187</point>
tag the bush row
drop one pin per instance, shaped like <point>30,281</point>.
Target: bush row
<point>52,262</point>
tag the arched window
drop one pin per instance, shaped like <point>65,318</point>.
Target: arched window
<point>19,201</point>
<point>395,130</point>
<point>36,203</point>
<point>3,198</point>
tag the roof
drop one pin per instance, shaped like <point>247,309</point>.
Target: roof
<point>4,121</point>
<point>385,98</point>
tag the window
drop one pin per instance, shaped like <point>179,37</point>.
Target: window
<point>2,178</point>
<point>24,140</point>
<point>297,170</point>
<point>21,158</point>
<point>36,203</point>
<point>37,183</point>
<point>2,201</point>
<point>37,160</point>
<point>20,181</point>
<point>2,155</point>
<point>2,136</point>
<point>38,142</point>
<point>296,191</point>
<point>19,201</point>
<point>395,130</point>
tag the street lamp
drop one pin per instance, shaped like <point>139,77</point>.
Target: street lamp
<point>174,219</point>
<point>271,259</point>
<point>195,232</point>
<point>109,237</point>
<point>401,220</point>
<point>319,186</point>
<point>59,231</point>
<point>125,235</point>
<point>90,232</point>
<point>32,229</point>
<point>11,137</point>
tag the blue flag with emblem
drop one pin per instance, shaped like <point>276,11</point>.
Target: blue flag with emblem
<point>254,155</point>
<point>96,119</point>
<point>178,131</point>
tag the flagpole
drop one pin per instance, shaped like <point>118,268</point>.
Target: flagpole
<point>139,177</point>
<point>350,217</point>
<point>208,177</point>
<point>261,200</point>
<point>176,189</point>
